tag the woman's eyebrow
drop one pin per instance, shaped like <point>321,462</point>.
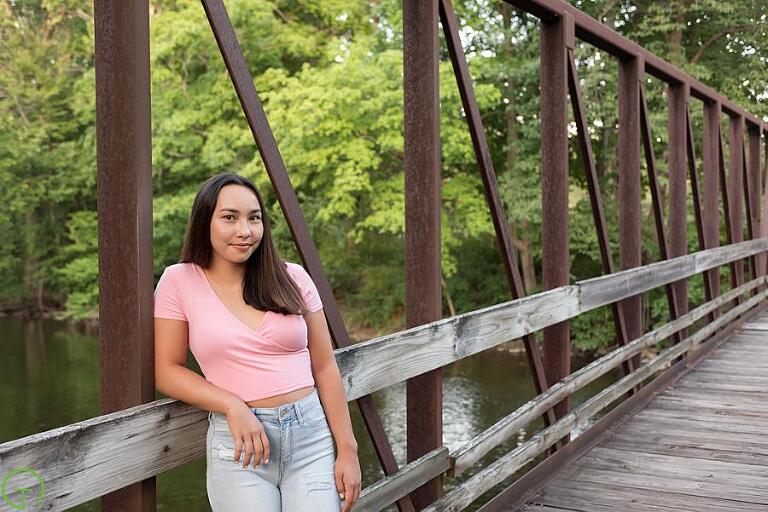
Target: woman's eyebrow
<point>237,211</point>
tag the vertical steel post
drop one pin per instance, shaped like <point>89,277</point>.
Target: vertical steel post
<point>764,202</point>
<point>755,188</point>
<point>554,191</point>
<point>631,72</point>
<point>124,181</point>
<point>710,160</point>
<point>422,220</point>
<point>736,187</point>
<point>677,97</point>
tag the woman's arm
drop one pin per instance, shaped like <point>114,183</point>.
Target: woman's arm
<point>331,390</point>
<point>174,379</point>
<point>328,382</point>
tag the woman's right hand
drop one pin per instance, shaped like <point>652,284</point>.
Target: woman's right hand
<point>249,434</point>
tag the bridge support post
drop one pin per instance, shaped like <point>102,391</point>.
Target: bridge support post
<point>736,186</point>
<point>554,190</point>
<point>677,99</point>
<point>631,72</point>
<point>711,210</point>
<point>755,188</point>
<point>124,161</point>
<point>423,297</point>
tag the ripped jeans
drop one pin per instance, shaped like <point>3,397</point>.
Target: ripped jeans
<point>299,476</point>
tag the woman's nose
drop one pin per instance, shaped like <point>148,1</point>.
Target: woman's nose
<point>243,228</point>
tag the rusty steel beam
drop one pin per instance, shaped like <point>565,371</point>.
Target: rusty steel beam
<point>490,187</point>
<point>710,216</point>
<point>697,214</point>
<point>677,105</point>
<point>756,188</point>
<point>736,186</point>
<point>601,36</point>
<point>124,183</point>
<point>658,209</point>
<point>257,121</point>
<point>764,202</point>
<point>596,201</point>
<point>554,193</point>
<point>630,79</point>
<point>423,298</point>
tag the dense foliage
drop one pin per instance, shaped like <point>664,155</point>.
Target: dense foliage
<point>330,75</point>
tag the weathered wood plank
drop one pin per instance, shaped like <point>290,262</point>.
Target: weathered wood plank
<point>715,434</point>
<point>699,477</point>
<point>711,388</point>
<point>718,386</point>
<point>90,458</point>
<point>694,406</point>
<point>390,489</point>
<point>715,373</point>
<point>694,469</point>
<point>725,418</point>
<point>615,498</point>
<point>700,446</point>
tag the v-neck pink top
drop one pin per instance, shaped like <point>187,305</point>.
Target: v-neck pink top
<point>252,363</point>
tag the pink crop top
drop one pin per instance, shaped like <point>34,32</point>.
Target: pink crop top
<point>251,363</point>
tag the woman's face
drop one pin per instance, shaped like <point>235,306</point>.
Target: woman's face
<point>236,227</point>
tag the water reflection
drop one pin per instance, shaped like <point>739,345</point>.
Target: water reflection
<point>51,378</point>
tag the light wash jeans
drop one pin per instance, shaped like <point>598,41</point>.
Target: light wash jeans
<point>299,475</point>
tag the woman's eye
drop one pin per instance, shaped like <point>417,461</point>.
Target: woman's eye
<point>228,217</point>
<point>256,218</point>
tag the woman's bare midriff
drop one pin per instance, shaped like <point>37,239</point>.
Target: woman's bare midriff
<point>286,398</point>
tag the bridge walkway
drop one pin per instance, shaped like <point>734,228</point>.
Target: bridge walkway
<point>700,445</point>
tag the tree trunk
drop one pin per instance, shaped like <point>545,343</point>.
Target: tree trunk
<point>675,36</point>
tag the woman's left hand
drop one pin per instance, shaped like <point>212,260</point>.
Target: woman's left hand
<point>348,478</point>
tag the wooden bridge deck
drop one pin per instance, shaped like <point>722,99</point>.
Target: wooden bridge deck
<point>701,445</point>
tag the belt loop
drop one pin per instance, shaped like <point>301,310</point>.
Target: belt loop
<point>298,410</point>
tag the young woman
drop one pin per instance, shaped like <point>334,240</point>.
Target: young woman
<point>256,327</point>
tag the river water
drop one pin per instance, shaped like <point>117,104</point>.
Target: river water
<point>51,378</point>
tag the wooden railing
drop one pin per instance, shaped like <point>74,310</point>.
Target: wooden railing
<point>91,458</point>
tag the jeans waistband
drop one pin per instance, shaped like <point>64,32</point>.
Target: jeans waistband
<point>294,409</point>
<point>298,407</point>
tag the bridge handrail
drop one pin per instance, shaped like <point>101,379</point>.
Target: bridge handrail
<point>381,362</point>
<point>373,497</point>
<point>469,490</point>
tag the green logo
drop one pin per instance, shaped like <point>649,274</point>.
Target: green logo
<point>23,491</point>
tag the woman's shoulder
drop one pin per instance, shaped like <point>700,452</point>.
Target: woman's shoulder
<point>295,270</point>
<point>180,271</point>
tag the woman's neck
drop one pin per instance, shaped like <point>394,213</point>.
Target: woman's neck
<point>226,273</point>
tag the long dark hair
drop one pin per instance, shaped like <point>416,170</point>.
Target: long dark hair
<point>266,285</point>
